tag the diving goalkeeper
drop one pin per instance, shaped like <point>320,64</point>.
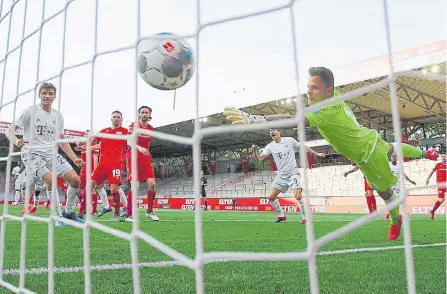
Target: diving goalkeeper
<point>338,125</point>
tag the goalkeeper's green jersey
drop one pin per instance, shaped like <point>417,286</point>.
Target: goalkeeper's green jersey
<point>339,126</point>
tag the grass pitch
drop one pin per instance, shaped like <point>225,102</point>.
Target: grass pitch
<point>374,267</point>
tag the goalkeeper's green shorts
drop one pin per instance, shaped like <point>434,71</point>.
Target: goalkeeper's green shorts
<point>377,169</point>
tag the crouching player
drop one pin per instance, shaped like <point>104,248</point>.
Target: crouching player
<point>145,170</point>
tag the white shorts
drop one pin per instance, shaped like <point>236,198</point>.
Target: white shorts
<point>42,164</point>
<point>283,182</point>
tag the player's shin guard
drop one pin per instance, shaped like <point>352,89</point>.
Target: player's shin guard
<point>71,196</point>
<point>277,207</point>
<point>94,203</point>
<point>116,203</point>
<point>129,203</point>
<point>371,202</point>
<point>17,197</point>
<point>122,197</point>
<point>55,199</point>
<point>394,213</point>
<point>150,201</point>
<point>301,205</point>
<point>103,196</point>
<point>82,207</point>
<point>437,204</point>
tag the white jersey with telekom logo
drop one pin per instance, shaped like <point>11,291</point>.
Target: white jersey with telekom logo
<point>284,155</point>
<point>39,128</point>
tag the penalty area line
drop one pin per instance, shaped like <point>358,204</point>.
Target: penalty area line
<point>156,264</point>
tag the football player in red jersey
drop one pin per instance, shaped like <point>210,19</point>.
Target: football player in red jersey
<point>111,159</point>
<point>145,171</point>
<point>369,192</point>
<point>440,169</point>
<point>84,175</point>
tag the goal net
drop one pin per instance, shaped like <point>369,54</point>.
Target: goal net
<point>27,61</point>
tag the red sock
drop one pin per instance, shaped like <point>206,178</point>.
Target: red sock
<point>116,202</point>
<point>150,200</point>
<point>373,203</point>
<point>94,203</point>
<point>48,202</point>
<point>129,203</point>
<point>369,204</point>
<point>82,207</point>
<point>437,204</point>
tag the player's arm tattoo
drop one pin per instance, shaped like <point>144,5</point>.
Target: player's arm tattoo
<point>308,149</point>
<point>408,179</point>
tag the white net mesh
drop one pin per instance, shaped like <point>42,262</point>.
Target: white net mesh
<point>8,9</point>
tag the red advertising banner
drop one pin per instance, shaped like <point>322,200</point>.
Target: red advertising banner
<point>415,204</point>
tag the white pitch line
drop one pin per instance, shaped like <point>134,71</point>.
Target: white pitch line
<point>74,269</point>
<point>251,220</point>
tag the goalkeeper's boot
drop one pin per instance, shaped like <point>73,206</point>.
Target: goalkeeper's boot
<point>153,216</point>
<point>280,219</point>
<point>104,211</point>
<point>395,229</point>
<point>15,205</point>
<point>72,216</point>
<point>33,210</point>
<point>303,221</point>
<point>124,213</point>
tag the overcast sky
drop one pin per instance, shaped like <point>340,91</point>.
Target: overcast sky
<point>255,53</point>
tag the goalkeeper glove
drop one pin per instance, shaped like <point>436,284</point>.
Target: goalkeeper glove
<point>241,117</point>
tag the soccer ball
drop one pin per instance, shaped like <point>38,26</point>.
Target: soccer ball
<point>165,64</point>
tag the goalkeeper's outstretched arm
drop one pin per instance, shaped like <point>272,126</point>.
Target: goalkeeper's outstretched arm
<point>237,116</point>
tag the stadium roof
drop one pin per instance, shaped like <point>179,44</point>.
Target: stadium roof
<point>421,101</point>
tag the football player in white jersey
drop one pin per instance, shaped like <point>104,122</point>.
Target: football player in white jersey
<point>288,176</point>
<point>17,180</point>
<point>39,123</point>
<point>396,172</point>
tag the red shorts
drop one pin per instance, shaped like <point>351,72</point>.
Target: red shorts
<point>441,193</point>
<point>110,173</point>
<point>145,170</point>
<point>367,187</point>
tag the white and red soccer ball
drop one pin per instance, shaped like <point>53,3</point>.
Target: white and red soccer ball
<point>165,64</point>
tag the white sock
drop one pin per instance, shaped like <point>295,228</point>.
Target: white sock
<point>122,197</point>
<point>301,205</point>
<point>72,193</point>
<point>17,197</point>
<point>56,200</point>
<point>277,207</point>
<point>103,196</point>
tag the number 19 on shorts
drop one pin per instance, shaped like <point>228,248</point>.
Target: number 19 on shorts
<point>116,173</point>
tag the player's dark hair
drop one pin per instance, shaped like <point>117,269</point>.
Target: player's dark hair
<point>145,107</point>
<point>117,111</point>
<point>325,74</point>
<point>47,86</point>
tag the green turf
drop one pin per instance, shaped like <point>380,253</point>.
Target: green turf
<point>365,272</point>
